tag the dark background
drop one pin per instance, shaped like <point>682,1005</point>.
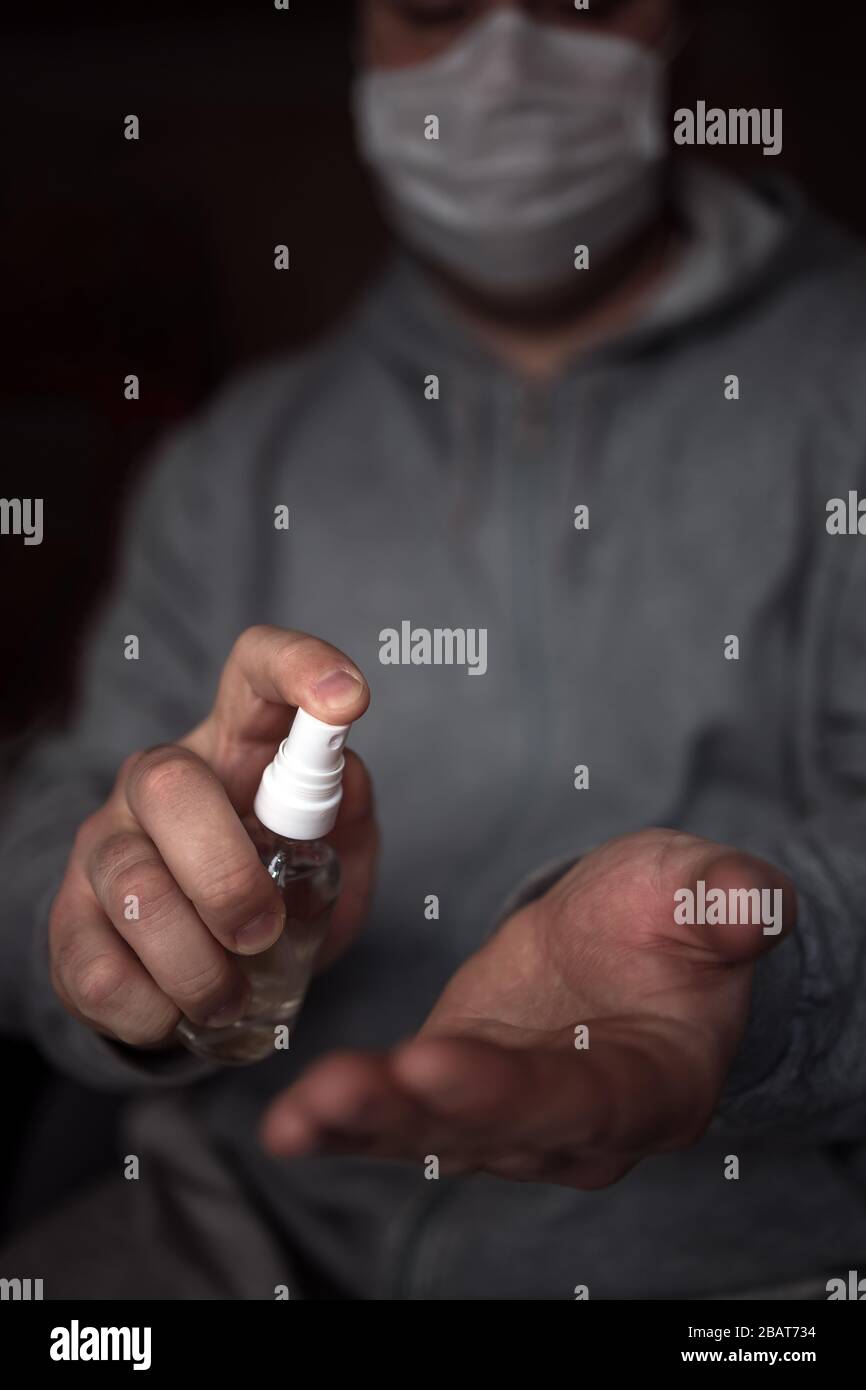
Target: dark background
<point>156,257</point>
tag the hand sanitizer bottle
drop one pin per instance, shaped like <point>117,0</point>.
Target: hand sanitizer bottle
<point>296,804</point>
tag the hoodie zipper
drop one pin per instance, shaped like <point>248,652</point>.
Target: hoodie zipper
<point>531,464</point>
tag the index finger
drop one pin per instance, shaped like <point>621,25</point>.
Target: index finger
<point>269,673</point>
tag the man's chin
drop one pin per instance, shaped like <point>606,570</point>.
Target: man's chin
<point>540,304</point>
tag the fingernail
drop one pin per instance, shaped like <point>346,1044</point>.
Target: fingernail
<point>338,689</point>
<point>228,1013</point>
<point>259,933</point>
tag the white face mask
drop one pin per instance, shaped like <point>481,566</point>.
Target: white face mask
<point>547,140</point>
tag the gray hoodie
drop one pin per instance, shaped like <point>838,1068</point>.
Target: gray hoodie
<point>605,648</point>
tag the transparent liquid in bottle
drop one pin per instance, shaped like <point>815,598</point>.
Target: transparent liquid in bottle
<point>307,872</point>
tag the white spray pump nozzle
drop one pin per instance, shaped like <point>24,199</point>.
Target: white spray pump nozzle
<point>301,789</point>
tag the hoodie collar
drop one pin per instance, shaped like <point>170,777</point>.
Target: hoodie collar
<point>736,237</point>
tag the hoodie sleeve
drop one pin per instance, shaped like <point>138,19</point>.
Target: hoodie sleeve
<point>802,1063</point>
<point>166,592</point>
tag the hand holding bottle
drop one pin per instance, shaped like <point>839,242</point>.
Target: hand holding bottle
<point>165,892</point>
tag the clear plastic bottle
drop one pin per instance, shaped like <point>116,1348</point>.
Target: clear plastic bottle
<point>296,804</point>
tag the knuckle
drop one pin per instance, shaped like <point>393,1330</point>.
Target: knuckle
<point>82,838</point>
<point>58,916</point>
<point>161,774</point>
<point>115,852</point>
<point>124,868</point>
<point>232,886</point>
<point>249,640</point>
<point>64,946</point>
<point>206,989</point>
<point>149,1025</point>
<point>294,646</point>
<point>310,654</point>
<point>126,769</point>
<point>152,888</point>
<point>101,983</point>
<point>122,861</point>
<point>671,849</point>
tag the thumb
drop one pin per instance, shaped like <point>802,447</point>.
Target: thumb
<point>270,672</point>
<point>740,906</point>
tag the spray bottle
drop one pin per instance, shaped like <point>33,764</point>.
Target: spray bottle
<point>296,804</point>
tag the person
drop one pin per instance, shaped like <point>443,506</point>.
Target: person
<point>595,408</point>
